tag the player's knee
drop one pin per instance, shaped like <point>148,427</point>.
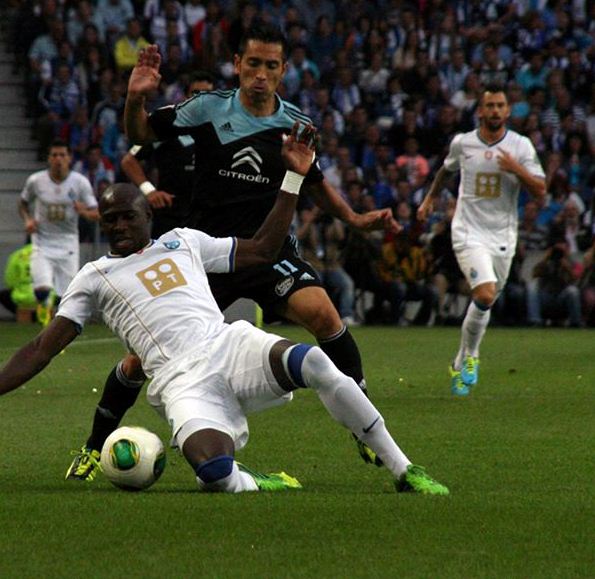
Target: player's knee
<point>484,297</point>
<point>309,367</point>
<point>132,368</point>
<point>213,475</point>
<point>320,317</point>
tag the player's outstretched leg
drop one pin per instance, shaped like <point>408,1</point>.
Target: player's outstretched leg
<point>344,353</point>
<point>210,453</point>
<point>119,394</point>
<point>308,366</point>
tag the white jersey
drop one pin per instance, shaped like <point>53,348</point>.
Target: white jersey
<point>486,214</point>
<point>57,219</point>
<point>157,301</point>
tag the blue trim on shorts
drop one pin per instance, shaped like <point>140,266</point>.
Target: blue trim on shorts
<point>294,363</point>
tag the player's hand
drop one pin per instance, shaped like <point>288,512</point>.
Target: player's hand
<point>30,226</point>
<point>298,151</point>
<point>377,219</point>
<point>145,76</point>
<point>160,199</point>
<point>425,209</point>
<point>506,162</point>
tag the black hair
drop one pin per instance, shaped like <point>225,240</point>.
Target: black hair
<point>266,33</point>
<point>59,143</point>
<point>493,88</point>
<point>201,76</point>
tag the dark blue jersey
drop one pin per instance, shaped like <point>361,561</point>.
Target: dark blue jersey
<point>174,161</point>
<point>238,164</point>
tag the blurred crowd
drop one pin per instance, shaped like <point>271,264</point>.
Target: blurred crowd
<point>388,83</point>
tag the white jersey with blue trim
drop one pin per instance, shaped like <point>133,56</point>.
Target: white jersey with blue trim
<point>158,300</point>
<point>486,214</point>
<point>57,219</point>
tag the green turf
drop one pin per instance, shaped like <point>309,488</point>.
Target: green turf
<point>517,455</point>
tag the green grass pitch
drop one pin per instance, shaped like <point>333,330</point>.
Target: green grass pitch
<point>518,456</point>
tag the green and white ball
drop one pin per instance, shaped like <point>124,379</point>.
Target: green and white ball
<point>133,458</point>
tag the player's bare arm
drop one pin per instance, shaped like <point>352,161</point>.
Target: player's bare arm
<point>328,199</point>
<point>29,221</point>
<point>427,205</point>
<point>134,171</point>
<point>37,354</point>
<point>535,185</point>
<point>298,154</point>
<point>144,79</point>
<point>88,213</point>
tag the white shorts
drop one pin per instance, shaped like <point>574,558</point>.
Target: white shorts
<point>54,270</point>
<point>480,266</point>
<point>217,386</point>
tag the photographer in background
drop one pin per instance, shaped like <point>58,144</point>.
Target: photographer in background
<point>553,293</point>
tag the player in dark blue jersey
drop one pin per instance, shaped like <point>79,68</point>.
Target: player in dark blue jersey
<point>173,159</point>
<point>238,136</point>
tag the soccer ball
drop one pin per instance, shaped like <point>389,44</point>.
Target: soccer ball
<point>133,458</point>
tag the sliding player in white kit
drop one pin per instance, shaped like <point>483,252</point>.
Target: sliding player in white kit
<point>494,163</point>
<point>59,196</point>
<point>206,375</point>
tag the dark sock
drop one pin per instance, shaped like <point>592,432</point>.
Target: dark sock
<point>119,394</point>
<point>344,353</point>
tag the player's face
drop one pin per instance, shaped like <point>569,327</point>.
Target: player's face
<point>126,224</point>
<point>260,70</point>
<point>59,161</point>
<point>493,110</point>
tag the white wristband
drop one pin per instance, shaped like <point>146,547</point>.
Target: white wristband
<point>147,187</point>
<point>292,182</point>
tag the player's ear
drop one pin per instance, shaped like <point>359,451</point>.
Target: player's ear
<point>236,63</point>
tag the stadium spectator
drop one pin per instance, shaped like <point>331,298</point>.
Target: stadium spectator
<point>587,285</point>
<point>127,47</point>
<point>413,165</point>
<point>322,239</point>
<point>552,294</point>
<point>113,16</point>
<point>78,18</point>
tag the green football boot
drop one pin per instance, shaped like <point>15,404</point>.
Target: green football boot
<point>85,465</point>
<point>457,386</point>
<point>470,371</point>
<point>416,480</point>
<point>275,481</point>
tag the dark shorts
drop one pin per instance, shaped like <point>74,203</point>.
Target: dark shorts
<point>268,285</point>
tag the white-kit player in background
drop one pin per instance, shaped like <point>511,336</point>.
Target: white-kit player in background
<point>494,163</point>
<point>50,205</point>
<point>206,374</point>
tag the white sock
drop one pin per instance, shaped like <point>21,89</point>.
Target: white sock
<point>349,406</point>
<point>236,482</point>
<point>472,331</point>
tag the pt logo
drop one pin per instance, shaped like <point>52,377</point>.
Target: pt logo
<point>161,277</point>
<point>247,156</point>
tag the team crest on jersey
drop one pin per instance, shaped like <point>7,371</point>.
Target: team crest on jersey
<point>473,273</point>
<point>172,244</point>
<point>284,286</point>
<point>161,277</point>
<point>488,155</point>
